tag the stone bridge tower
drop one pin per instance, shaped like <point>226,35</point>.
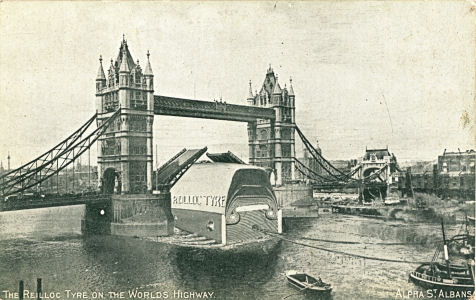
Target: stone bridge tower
<point>125,150</point>
<point>271,144</point>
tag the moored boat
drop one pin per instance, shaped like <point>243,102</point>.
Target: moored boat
<point>430,276</point>
<point>445,277</point>
<point>391,201</point>
<point>308,283</point>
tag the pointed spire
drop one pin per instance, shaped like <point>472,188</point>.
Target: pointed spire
<point>291,90</point>
<point>250,92</point>
<point>124,65</point>
<point>101,75</point>
<point>277,88</point>
<point>148,68</point>
<point>270,70</point>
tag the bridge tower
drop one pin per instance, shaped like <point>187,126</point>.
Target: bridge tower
<point>271,144</point>
<point>125,150</point>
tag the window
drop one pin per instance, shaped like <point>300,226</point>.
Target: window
<point>138,100</point>
<point>286,150</point>
<point>137,123</point>
<point>286,114</point>
<point>286,134</point>
<point>138,177</point>
<point>138,146</point>
<point>263,134</point>
<point>263,150</point>
<point>111,147</point>
<point>286,171</point>
<point>111,102</point>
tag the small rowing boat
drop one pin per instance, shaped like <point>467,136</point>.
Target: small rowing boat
<point>306,282</point>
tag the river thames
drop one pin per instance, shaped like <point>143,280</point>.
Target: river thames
<point>47,244</point>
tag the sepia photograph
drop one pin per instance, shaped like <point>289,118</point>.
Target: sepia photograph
<point>237,149</point>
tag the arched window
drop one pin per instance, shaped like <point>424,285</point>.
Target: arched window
<point>263,134</point>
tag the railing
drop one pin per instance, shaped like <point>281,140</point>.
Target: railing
<point>426,277</point>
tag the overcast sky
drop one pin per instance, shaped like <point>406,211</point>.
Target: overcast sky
<point>364,73</point>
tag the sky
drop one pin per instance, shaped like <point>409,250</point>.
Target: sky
<point>366,74</point>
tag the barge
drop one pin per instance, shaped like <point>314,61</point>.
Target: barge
<point>221,202</point>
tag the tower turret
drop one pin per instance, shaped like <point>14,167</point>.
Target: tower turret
<point>292,99</point>
<point>149,81</point>
<point>100,78</point>
<point>291,90</point>
<point>124,68</point>
<point>250,98</point>
<point>148,68</point>
<point>277,94</point>
<point>291,93</point>
<point>100,85</point>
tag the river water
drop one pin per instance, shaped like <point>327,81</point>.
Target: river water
<point>47,243</point>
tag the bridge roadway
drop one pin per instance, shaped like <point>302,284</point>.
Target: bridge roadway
<point>53,200</point>
<point>171,106</point>
<point>354,184</point>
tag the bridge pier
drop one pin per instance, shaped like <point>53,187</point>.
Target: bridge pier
<point>139,215</point>
<point>97,217</point>
<point>296,200</point>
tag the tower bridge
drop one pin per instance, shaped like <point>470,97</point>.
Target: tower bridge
<point>127,145</point>
<point>125,110</point>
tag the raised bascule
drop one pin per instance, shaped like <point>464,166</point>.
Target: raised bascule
<point>126,106</point>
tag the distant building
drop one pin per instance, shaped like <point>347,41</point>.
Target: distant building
<point>345,166</point>
<point>451,177</point>
<point>82,178</point>
<point>376,159</point>
<point>419,166</point>
<point>310,162</point>
<point>456,163</point>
